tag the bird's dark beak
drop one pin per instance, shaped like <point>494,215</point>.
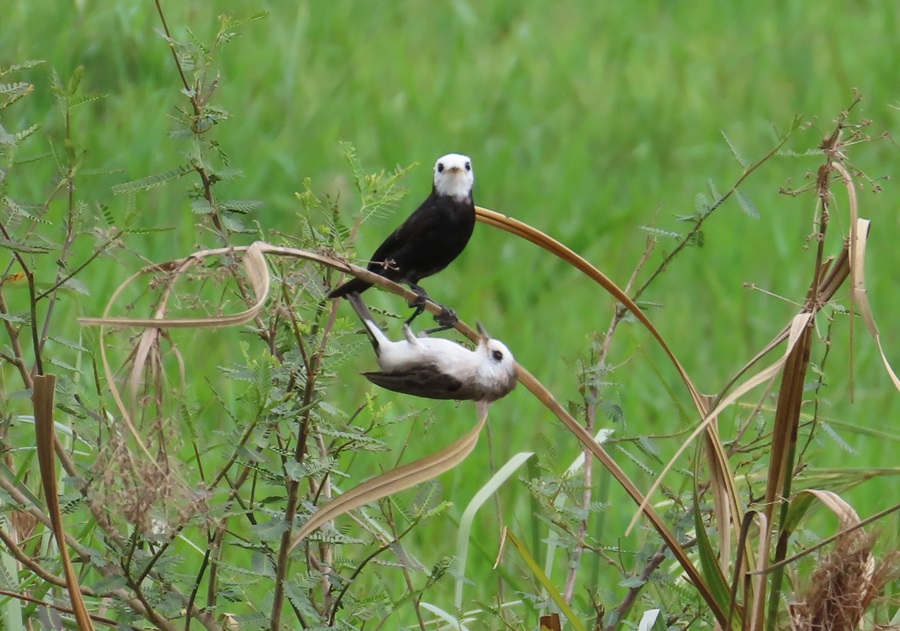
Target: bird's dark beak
<point>483,333</point>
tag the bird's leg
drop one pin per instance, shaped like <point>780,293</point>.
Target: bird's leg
<point>446,319</point>
<point>410,336</point>
<point>419,303</point>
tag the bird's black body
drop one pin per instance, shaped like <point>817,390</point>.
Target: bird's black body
<point>427,242</point>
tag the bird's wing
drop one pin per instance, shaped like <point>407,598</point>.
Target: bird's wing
<point>416,223</point>
<point>424,381</point>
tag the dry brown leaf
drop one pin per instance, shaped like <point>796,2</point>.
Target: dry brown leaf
<point>396,480</point>
<point>44,390</point>
<point>836,504</point>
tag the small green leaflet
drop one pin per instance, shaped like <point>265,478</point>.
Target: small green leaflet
<point>152,181</point>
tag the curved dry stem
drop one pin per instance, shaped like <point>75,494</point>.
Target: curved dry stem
<point>553,246</point>
<point>862,297</point>
<point>718,458</point>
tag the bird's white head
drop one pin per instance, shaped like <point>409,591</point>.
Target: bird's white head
<point>454,177</point>
<point>497,370</point>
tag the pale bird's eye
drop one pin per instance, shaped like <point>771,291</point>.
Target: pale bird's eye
<point>497,355</point>
<point>468,166</point>
<point>440,167</point>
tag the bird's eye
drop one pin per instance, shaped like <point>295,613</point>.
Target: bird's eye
<point>497,355</point>
<point>440,167</point>
<point>468,166</point>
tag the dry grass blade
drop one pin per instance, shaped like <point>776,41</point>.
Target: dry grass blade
<point>718,488</point>
<point>787,419</point>
<point>782,454</point>
<point>797,327</point>
<point>396,480</point>
<point>861,294</point>
<point>837,505</point>
<point>44,387</point>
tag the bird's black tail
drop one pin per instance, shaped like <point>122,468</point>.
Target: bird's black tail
<point>360,307</point>
<point>365,315</point>
<point>353,285</point>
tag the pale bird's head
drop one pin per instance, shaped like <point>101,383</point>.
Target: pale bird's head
<point>498,370</point>
<point>454,177</point>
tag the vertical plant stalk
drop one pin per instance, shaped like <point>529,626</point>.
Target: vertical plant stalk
<point>784,444</point>
<point>786,425</point>
<point>197,101</point>
<point>283,562</point>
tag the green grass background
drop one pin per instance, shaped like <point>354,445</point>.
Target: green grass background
<point>586,120</point>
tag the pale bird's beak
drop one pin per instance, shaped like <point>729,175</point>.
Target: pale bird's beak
<point>483,333</point>
<point>455,170</point>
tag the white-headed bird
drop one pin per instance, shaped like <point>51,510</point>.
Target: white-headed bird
<point>435,368</point>
<point>430,238</point>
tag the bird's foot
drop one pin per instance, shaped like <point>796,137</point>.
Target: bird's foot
<point>420,309</point>
<point>421,296</point>
<point>418,303</point>
<point>446,319</point>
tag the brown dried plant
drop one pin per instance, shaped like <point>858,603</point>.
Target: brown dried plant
<point>843,585</point>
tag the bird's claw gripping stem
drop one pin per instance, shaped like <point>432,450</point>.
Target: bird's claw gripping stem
<point>446,319</point>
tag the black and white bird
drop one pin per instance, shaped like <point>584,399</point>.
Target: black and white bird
<point>435,368</point>
<point>430,239</point>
